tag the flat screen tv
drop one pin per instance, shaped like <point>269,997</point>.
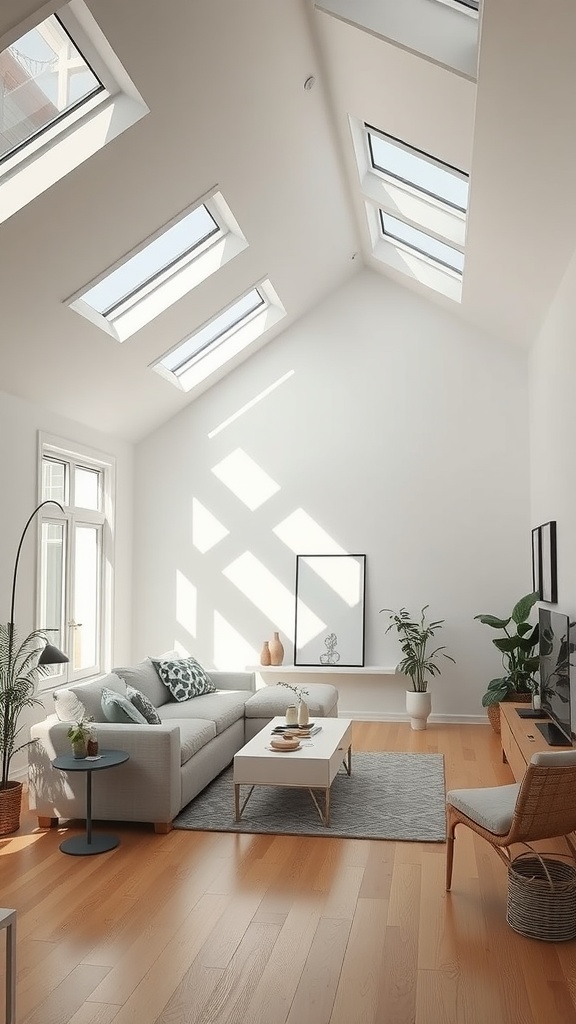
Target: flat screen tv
<point>556,655</point>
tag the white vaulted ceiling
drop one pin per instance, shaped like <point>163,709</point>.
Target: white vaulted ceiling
<point>224,84</point>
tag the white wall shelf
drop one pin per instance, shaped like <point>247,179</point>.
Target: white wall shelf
<point>333,670</point>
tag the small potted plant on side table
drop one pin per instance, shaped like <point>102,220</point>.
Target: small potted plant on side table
<point>418,661</point>
<point>78,734</point>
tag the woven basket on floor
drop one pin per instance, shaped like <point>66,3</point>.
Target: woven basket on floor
<point>494,709</point>
<point>542,897</point>
<point>10,803</point>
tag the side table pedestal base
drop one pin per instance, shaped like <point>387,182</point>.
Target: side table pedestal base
<point>79,847</point>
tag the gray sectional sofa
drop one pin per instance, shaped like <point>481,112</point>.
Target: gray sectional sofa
<point>169,763</point>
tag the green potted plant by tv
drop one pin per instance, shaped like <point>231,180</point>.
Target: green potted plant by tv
<point>519,652</point>
<point>418,661</point>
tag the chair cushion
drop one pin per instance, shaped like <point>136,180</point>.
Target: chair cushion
<point>90,697</point>
<point>491,807</point>
<point>269,701</point>
<point>117,708</point>
<point>143,705</point>
<point>223,708</point>
<point>184,677</point>
<point>554,758</point>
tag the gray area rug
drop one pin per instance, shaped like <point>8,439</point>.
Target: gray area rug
<point>388,796</point>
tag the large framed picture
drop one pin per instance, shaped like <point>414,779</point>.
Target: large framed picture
<point>549,576</point>
<point>330,591</point>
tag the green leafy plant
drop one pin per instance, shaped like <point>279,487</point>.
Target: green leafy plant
<point>415,635</point>
<point>519,650</point>
<point>19,670</point>
<point>299,691</point>
<point>79,731</point>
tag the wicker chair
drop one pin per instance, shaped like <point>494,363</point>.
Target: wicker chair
<point>542,806</point>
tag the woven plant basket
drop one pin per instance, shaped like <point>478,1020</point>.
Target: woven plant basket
<point>542,897</point>
<point>10,803</point>
<point>494,709</point>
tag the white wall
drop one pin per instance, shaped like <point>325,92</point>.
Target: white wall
<point>553,437</point>
<point>20,422</point>
<point>402,433</point>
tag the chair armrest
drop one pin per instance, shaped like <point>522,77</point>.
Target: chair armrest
<point>232,680</point>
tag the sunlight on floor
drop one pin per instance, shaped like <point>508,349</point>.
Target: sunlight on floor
<point>246,479</point>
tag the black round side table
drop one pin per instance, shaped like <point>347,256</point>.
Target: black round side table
<point>79,846</point>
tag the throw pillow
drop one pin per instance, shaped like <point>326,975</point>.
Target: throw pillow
<point>67,706</point>
<point>143,705</point>
<point>118,708</point>
<point>184,677</point>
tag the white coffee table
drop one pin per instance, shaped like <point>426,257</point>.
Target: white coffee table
<point>313,766</point>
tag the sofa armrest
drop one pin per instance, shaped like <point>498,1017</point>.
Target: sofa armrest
<point>232,680</point>
<point>146,788</point>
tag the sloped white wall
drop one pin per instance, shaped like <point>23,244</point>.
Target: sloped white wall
<point>402,434</point>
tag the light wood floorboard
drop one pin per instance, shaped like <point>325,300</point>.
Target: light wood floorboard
<point>217,928</point>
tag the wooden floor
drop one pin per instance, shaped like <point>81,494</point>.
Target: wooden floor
<point>211,928</point>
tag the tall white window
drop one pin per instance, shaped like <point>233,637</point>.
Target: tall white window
<point>76,555</point>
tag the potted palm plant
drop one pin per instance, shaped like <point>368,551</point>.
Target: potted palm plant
<point>418,661</point>
<point>520,658</point>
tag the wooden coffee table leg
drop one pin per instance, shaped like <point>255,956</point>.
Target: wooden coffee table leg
<point>347,762</point>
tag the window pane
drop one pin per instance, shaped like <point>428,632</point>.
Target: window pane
<point>421,242</point>
<point>54,481</point>
<point>86,596</point>
<point>87,488</point>
<point>145,265</point>
<point>42,76</point>
<point>179,359</point>
<point>413,168</point>
<point>52,582</point>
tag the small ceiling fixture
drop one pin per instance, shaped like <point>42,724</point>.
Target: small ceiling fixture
<point>309,83</point>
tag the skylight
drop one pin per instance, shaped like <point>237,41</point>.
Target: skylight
<point>162,268</point>
<point>63,96</point>
<point>422,172</point>
<point>421,242</point>
<point>43,76</point>
<point>223,339</point>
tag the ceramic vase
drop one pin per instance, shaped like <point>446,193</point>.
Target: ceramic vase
<point>265,654</point>
<point>303,716</point>
<point>276,650</point>
<point>418,707</point>
<point>291,715</point>
<point>79,748</point>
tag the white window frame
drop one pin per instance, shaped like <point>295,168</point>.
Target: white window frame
<point>157,294</point>
<point>73,455</point>
<point>72,139</point>
<point>228,346</point>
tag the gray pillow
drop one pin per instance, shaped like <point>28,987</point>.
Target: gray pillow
<point>143,705</point>
<point>118,708</point>
<point>90,694</point>
<point>144,677</point>
<point>184,677</point>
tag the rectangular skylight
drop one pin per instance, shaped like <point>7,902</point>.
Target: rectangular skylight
<point>411,166</point>
<point>421,242</point>
<point>214,333</point>
<point>43,77</point>
<point>163,253</point>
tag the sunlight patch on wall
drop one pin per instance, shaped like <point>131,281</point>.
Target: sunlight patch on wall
<point>343,575</point>
<point>186,603</point>
<point>207,531</point>
<point>268,594</point>
<point>303,535</point>
<point>245,479</point>
<point>250,405</point>
<point>231,649</point>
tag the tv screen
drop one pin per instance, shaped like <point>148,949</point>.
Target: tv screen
<point>556,652</point>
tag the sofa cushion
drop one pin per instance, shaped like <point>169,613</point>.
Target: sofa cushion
<point>67,705</point>
<point>269,701</point>
<point>223,708</point>
<point>117,708</point>
<point>193,736</point>
<point>184,677</point>
<point>143,705</point>
<point>90,696</point>
<point>145,678</point>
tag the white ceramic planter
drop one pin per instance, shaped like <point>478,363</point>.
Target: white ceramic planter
<point>418,707</point>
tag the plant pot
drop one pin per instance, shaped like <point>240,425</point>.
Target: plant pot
<point>10,804</point>
<point>494,709</point>
<point>79,749</point>
<point>418,707</point>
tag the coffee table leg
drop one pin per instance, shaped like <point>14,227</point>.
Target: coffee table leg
<point>347,762</point>
<point>237,802</point>
<point>327,807</point>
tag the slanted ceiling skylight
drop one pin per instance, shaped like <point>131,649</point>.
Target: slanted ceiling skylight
<point>63,96</point>
<point>416,207</point>
<point>162,269</point>
<point>222,339</point>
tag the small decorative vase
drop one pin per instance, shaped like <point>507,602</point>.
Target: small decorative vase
<point>536,702</point>
<point>291,715</point>
<point>418,707</point>
<point>303,716</point>
<point>265,658</point>
<point>79,748</point>
<point>276,650</point>
<point>92,744</point>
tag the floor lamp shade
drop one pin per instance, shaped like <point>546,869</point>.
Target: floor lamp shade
<point>52,656</point>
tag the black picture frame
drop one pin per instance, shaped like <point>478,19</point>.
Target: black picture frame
<point>536,562</point>
<point>549,573</point>
<point>330,617</point>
